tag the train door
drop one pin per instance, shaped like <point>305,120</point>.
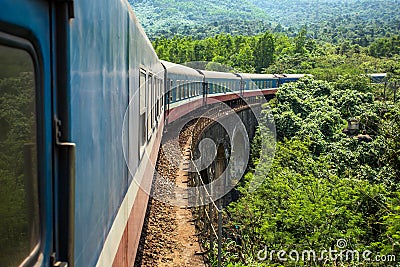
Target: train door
<point>26,137</point>
<point>31,232</point>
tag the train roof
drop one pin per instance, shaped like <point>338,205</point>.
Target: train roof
<point>254,76</point>
<point>180,69</point>
<point>291,76</point>
<point>377,75</point>
<point>218,75</point>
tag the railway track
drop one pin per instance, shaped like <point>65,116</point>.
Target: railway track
<point>169,234</point>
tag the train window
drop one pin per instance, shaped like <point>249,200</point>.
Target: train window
<point>187,91</point>
<point>19,212</point>
<point>178,92</point>
<point>157,86</point>
<point>159,98</point>
<point>193,88</point>
<point>171,86</point>
<point>149,105</point>
<point>142,108</point>
<point>153,101</point>
<point>160,105</point>
<point>183,90</point>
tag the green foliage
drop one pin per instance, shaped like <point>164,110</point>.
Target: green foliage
<point>264,52</point>
<point>278,53</point>
<point>201,20</point>
<point>392,222</point>
<point>385,47</point>
<point>323,185</point>
<point>335,21</point>
<point>17,132</point>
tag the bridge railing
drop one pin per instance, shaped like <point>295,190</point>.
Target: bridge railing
<point>209,216</point>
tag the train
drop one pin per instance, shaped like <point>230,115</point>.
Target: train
<point>84,102</point>
<point>187,89</point>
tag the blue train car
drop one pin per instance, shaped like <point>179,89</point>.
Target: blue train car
<point>285,78</point>
<point>258,81</point>
<point>221,82</point>
<point>378,77</point>
<point>184,88</point>
<point>82,92</point>
<point>182,82</point>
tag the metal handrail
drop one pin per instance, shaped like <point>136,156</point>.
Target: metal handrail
<point>200,126</point>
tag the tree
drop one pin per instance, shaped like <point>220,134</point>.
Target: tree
<point>264,52</point>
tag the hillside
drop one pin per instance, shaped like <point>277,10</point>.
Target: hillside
<point>360,21</point>
<point>170,17</point>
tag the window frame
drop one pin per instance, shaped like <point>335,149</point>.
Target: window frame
<point>150,100</point>
<point>142,111</point>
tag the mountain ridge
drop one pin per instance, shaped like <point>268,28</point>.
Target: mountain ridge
<point>328,20</point>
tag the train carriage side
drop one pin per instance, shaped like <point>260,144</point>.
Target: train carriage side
<point>285,78</point>
<point>184,90</point>
<point>223,86</point>
<point>116,122</point>
<point>253,83</point>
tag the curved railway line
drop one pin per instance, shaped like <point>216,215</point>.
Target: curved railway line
<point>169,235</point>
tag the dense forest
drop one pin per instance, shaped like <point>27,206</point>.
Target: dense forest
<point>359,22</point>
<point>169,18</point>
<point>279,53</point>
<point>325,184</point>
